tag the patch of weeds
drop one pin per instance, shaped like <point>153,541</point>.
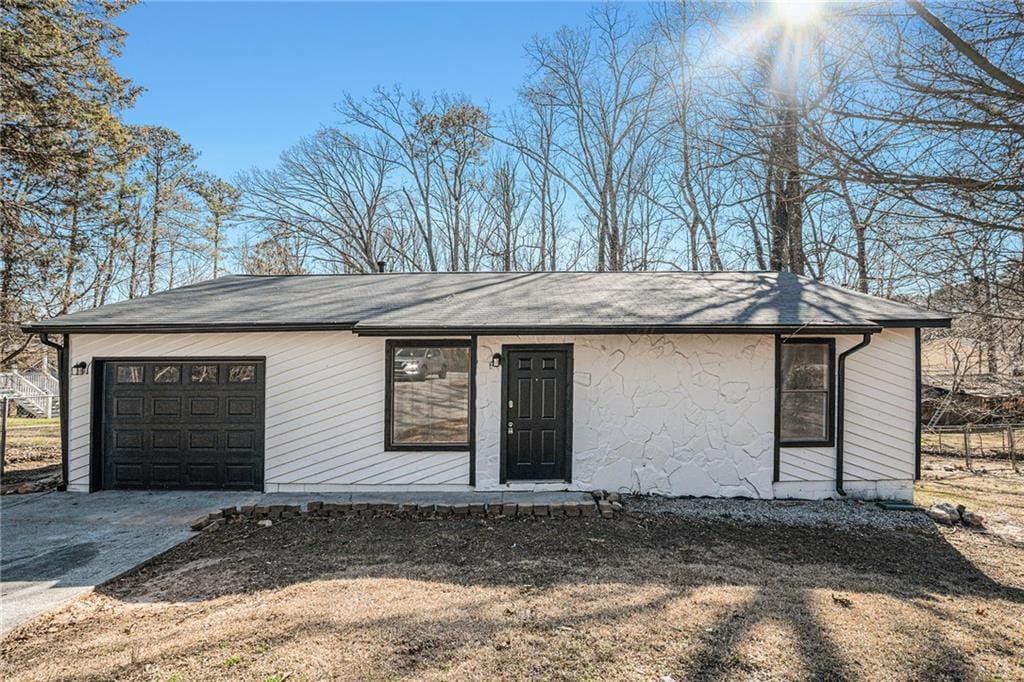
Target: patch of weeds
<point>232,661</point>
<point>176,677</point>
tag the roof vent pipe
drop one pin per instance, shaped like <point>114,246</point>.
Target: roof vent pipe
<point>840,411</point>
<point>382,266</point>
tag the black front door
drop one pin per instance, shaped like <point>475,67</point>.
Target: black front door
<point>538,413</point>
<point>183,423</point>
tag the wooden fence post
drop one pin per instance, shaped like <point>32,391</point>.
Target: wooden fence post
<point>967,445</point>
<point>3,437</point>
<point>1013,449</point>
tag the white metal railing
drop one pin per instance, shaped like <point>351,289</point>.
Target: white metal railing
<point>36,392</point>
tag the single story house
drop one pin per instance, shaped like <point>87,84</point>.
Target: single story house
<point>752,384</point>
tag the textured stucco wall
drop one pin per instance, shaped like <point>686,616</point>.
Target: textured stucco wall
<point>672,415</point>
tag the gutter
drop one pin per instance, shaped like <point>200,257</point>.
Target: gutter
<point>841,412</point>
<point>362,329</point>
<point>50,327</point>
<point>64,383</point>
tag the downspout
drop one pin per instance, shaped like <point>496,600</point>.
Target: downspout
<point>63,382</point>
<point>840,411</point>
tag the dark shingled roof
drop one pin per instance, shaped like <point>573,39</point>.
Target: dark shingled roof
<point>552,302</point>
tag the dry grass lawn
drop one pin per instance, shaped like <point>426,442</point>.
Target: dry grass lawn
<point>990,487</point>
<point>32,456</point>
<point>639,597</point>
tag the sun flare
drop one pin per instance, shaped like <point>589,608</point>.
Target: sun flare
<point>797,12</point>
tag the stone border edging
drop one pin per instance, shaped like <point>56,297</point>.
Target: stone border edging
<point>316,509</point>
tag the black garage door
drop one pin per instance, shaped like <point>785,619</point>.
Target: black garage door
<point>183,423</point>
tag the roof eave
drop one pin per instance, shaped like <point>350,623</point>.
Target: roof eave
<point>917,323</point>
<point>54,327</point>
<point>550,330</point>
<point>182,328</point>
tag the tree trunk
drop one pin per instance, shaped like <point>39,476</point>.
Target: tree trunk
<point>154,231</point>
<point>70,260</point>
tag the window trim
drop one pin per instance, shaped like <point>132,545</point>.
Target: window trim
<point>830,416</point>
<point>389,391</point>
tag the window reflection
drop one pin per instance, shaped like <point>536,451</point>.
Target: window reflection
<point>430,395</point>
<point>204,374</point>
<point>129,374</point>
<point>240,374</point>
<point>166,374</point>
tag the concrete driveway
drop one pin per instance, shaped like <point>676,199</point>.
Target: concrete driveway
<point>55,546</point>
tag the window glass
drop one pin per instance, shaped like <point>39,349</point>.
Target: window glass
<point>129,374</point>
<point>805,366</point>
<point>430,395</point>
<point>204,374</point>
<point>166,374</point>
<point>804,393</point>
<point>804,416</point>
<point>240,374</point>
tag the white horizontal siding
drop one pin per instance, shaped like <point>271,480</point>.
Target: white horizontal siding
<point>880,412</point>
<point>324,408</point>
<point>881,408</point>
<point>807,464</point>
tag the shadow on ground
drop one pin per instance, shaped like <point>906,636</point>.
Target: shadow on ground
<point>528,597</point>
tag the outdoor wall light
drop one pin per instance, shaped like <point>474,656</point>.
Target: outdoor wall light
<point>496,360</point>
<point>79,368</point>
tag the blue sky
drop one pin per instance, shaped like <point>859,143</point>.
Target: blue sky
<point>242,81</point>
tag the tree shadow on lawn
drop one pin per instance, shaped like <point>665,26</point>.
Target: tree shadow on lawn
<point>245,558</point>
<point>667,560</point>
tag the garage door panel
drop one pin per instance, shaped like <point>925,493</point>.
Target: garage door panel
<point>128,406</point>
<point>187,423</point>
<point>166,407</point>
<point>242,407</point>
<point>165,474</point>
<point>166,439</point>
<point>204,407</point>
<point>202,475</point>
<point>202,440</point>
<point>239,476</point>
<point>241,440</point>
<point>128,475</point>
<point>128,439</point>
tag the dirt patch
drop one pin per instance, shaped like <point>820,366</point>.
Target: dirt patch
<point>32,462</point>
<point>641,596</point>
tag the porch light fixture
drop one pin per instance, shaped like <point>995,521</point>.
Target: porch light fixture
<point>496,360</point>
<point>79,368</point>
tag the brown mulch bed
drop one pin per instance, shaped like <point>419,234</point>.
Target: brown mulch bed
<point>637,597</point>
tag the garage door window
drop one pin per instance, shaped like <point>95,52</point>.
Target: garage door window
<point>428,395</point>
<point>130,374</point>
<point>166,374</point>
<point>204,374</point>
<point>241,374</point>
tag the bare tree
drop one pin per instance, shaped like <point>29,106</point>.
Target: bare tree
<point>603,94</point>
<point>330,190</point>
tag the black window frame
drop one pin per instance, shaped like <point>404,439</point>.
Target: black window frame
<point>389,393</point>
<point>830,408</point>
